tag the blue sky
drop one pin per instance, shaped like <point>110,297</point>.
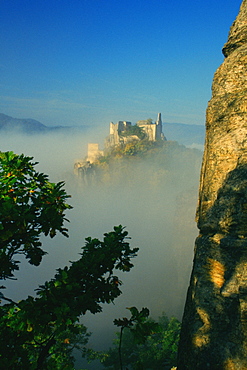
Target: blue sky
<point>90,62</point>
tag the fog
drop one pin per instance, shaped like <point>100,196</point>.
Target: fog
<point>156,205</point>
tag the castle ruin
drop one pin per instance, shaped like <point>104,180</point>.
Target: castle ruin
<point>153,131</point>
<point>121,133</point>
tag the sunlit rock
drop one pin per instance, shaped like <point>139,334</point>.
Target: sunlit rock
<point>214,330</point>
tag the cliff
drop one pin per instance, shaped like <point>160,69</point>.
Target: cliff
<point>214,328</point>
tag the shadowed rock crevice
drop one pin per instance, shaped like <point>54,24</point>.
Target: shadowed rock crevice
<point>216,307</point>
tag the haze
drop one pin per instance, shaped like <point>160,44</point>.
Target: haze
<point>157,206</point>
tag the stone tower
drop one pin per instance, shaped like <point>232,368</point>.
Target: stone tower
<point>159,133</point>
<point>214,326</point>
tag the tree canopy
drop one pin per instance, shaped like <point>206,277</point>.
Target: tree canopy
<point>41,332</point>
<point>30,205</point>
<point>145,343</point>
<point>43,329</point>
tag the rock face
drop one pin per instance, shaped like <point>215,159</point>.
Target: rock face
<point>214,328</point>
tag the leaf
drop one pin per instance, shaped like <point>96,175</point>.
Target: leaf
<point>134,312</point>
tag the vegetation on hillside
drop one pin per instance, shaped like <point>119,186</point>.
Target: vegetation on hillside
<point>133,148</point>
<point>152,162</point>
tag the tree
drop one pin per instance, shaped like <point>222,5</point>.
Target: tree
<point>37,328</point>
<point>40,332</point>
<point>145,343</point>
<point>30,205</point>
<point>138,326</point>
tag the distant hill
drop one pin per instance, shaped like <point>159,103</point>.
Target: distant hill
<point>30,126</point>
<point>24,125</point>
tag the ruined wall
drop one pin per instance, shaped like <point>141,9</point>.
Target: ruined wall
<point>214,329</point>
<point>93,152</point>
<point>115,128</point>
<point>150,130</point>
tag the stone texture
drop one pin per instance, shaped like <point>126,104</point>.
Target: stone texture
<point>214,328</point>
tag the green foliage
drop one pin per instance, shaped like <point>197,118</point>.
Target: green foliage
<point>157,351</point>
<point>135,148</point>
<point>133,130</point>
<point>30,205</point>
<point>138,147</point>
<point>138,325</point>
<point>40,333</point>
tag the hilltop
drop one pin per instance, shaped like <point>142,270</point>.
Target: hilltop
<point>26,125</point>
<point>31,126</point>
<point>143,140</point>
